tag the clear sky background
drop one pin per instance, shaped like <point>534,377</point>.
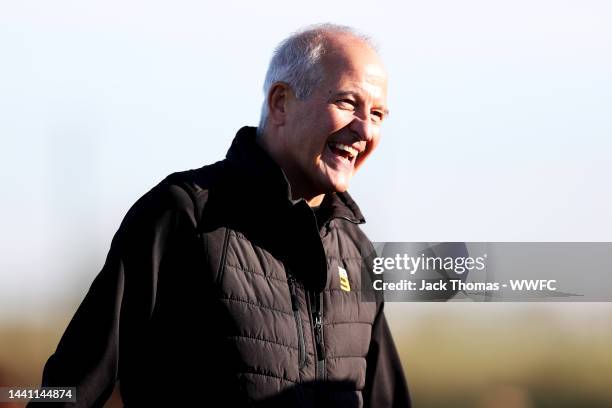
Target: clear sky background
<point>500,125</point>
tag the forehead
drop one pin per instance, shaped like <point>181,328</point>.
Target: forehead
<point>352,66</point>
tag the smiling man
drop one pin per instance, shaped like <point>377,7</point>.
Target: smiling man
<point>239,284</point>
<point>321,132</point>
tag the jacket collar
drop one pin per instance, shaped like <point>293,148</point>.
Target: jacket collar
<point>255,170</point>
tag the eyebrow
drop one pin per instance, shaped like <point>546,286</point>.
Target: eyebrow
<point>356,95</point>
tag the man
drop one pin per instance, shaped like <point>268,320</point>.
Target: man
<point>238,284</point>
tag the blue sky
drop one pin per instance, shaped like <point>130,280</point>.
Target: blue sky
<point>500,130</point>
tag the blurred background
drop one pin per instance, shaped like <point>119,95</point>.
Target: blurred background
<point>500,130</point>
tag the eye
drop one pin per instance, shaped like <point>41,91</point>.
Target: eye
<point>347,104</point>
<point>378,116</point>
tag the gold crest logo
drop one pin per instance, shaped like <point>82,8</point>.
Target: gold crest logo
<point>344,281</point>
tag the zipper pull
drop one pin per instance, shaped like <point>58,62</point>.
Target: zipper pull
<point>291,282</point>
<point>318,329</point>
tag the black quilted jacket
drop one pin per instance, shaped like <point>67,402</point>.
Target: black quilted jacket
<point>219,290</point>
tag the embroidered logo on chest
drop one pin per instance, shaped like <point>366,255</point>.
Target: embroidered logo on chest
<point>344,281</point>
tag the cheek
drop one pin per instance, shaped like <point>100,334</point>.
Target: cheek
<point>333,119</point>
<point>341,119</point>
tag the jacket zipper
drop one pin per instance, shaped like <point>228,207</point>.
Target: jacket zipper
<point>298,323</point>
<point>317,318</point>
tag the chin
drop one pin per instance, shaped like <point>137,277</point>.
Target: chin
<point>333,182</point>
<point>338,186</point>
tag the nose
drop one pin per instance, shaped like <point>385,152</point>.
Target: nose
<point>362,128</point>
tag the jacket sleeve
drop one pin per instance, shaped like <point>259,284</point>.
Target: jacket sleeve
<point>385,381</point>
<point>121,297</point>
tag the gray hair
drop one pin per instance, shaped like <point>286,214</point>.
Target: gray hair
<point>297,61</point>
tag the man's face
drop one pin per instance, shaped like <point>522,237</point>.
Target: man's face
<point>329,135</point>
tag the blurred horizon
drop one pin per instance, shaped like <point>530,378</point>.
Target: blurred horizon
<point>514,355</point>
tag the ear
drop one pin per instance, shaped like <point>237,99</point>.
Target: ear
<point>278,98</point>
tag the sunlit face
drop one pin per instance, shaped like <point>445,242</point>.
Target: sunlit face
<point>329,135</point>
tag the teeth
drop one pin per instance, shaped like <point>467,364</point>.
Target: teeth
<point>352,151</point>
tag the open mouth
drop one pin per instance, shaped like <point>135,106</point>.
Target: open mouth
<point>345,152</point>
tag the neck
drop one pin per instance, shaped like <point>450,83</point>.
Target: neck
<point>298,189</point>
<point>315,201</point>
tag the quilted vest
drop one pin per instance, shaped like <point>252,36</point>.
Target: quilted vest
<point>276,302</point>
